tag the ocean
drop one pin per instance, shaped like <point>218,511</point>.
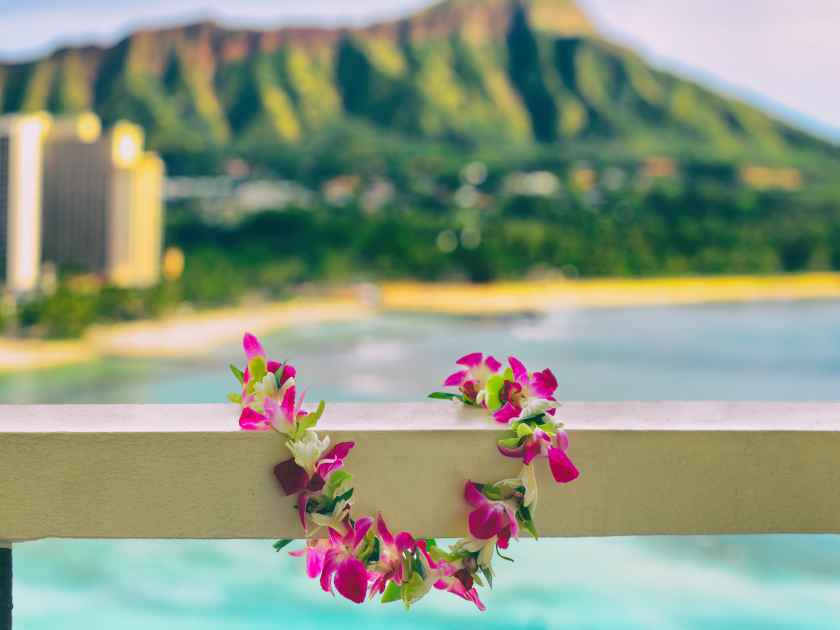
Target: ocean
<point>750,352</point>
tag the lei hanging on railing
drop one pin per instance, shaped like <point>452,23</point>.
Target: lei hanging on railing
<point>359,556</point>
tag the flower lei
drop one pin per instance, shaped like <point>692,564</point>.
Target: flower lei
<point>360,557</point>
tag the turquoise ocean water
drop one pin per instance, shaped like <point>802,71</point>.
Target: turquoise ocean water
<point>766,352</point>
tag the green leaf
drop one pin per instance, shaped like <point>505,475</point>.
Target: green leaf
<point>523,430</point>
<point>494,387</point>
<point>510,442</point>
<point>310,420</point>
<point>346,496</point>
<point>492,492</point>
<point>523,515</point>
<point>318,412</point>
<point>240,376</point>
<point>257,368</point>
<point>446,396</point>
<point>487,572</point>
<point>337,479</point>
<point>393,593</point>
<point>235,398</point>
<point>280,544</point>
<point>502,556</point>
<point>278,374</point>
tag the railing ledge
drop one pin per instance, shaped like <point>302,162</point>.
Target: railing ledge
<point>186,471</point>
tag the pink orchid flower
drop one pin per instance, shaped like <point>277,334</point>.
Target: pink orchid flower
<point>527,394</point>
<point>540,444</point>
<point>341,566</point>
<point>280,416</point>
<point>472,379</point>
<point>254,397</point>
<point>391,565</point>
<point>460,583</point>
<point>490,518</point>
<point>296,480</point>
<point>253,348</point>
<point>448,577</point>
<point>315,551</point>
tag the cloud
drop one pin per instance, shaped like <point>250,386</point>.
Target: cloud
<point>780,54</point>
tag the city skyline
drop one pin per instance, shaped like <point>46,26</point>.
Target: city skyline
<point>775,54</point>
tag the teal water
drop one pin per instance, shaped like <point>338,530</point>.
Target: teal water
<point>768,352</point>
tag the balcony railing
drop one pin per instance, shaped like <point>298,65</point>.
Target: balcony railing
<point>186,471</point>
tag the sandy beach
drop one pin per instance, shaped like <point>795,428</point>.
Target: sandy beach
<point>183,334</point>
<point>511,298</point>
<point>194,332</point>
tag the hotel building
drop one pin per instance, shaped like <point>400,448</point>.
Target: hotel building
<point>103,209</point>
<point>21,170</point>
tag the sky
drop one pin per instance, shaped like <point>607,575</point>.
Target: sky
<point>783,55</point>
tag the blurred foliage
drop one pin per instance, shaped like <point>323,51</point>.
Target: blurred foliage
<point>414,110</point>
<point>707,227</point>
<point>68,313</point>
<point>526,86</point>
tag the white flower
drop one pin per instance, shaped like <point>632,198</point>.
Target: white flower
<point>535,407</point>
<point>334,521</point>
<point>267,386</point>
<point>484,547</point>
<point>308,450</point>
<point>529,480</point>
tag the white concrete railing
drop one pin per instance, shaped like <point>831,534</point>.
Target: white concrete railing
<point>186,471</point>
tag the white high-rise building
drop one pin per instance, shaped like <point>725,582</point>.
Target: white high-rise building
<point>21,175</point>
<point>103,201</point>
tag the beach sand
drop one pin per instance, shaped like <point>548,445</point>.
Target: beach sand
<point>195,332</point>
<point>510,298</point>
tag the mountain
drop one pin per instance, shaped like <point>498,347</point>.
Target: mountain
<point>463,74</point>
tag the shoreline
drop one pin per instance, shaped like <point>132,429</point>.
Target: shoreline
<point>178,335</point>
<point>541,296</point>
<point>194,332</point>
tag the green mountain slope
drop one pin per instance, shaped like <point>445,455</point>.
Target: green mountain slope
<point>466,73</point>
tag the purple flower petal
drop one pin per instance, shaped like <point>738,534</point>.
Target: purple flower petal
<point>316,483</point>
<point>453,380</point>
<point>250,420</point>
<point>520,372</point>
<point>292,477</point>
<point>487,521</point>
<point>507,413</point>
<point>361,529</point>
<point>515,453</point>
<point>562,467</point>
<point>544,383</point>
<point>340,450</point>
<point>493,365</point>
<point>562,440</point>
<point>405,542</point>
<point>533,447</point>
<point>334,459</point>
<point>273,366</point>
<point>252,346</point>
<point>351,580</point>
<point>470,360</point>
<point>288,372</point>
<point>473,495</point>
<point>330,566</point>
<point>287,406</point>
<point>383,531</point>
<point>314,562</point>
